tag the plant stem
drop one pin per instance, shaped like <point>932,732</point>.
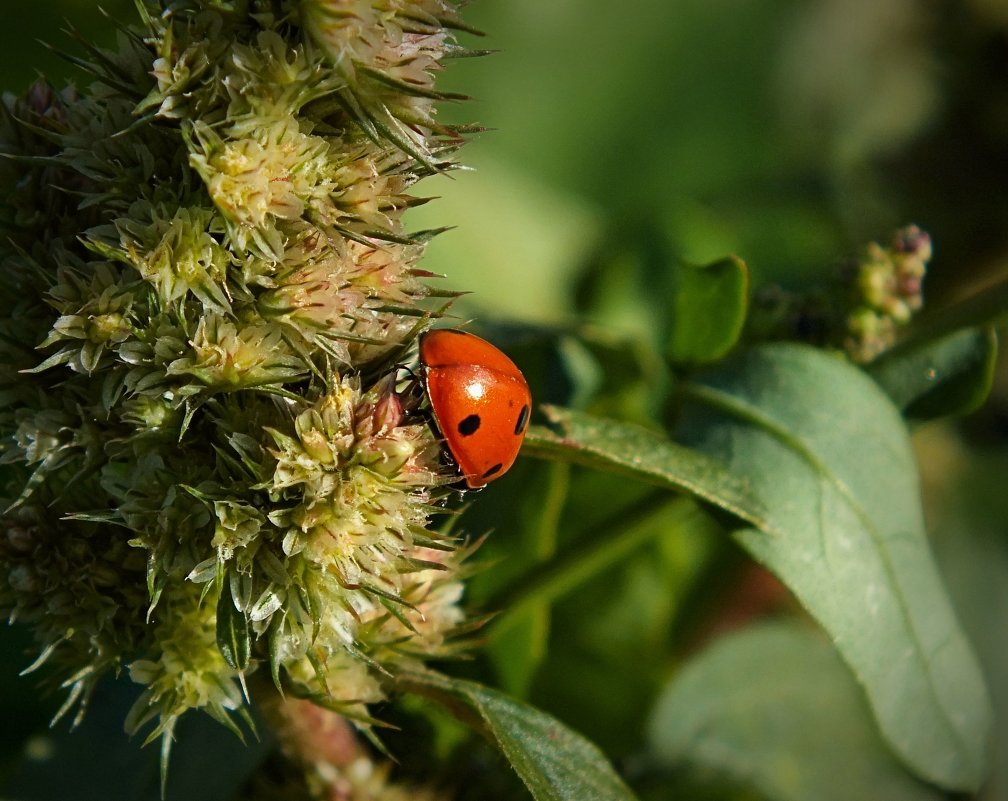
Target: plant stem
<point>988,306</point>
<point>578,564</point>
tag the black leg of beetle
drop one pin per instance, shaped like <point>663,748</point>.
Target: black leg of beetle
<point>413,395</point>
<point>522,422</point>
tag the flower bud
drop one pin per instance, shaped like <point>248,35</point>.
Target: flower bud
<point>388,411</point>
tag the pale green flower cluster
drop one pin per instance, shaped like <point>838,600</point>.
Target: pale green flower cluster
<point>862,310</point>
<point>888,286</point>
<point>205,287</point>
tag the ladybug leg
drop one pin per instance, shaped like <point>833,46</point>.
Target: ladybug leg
<point>427,414</point>
<point>412,394</point>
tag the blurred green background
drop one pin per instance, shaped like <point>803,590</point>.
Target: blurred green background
<point>788,132</point>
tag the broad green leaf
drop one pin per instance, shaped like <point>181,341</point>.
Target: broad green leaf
<point>950,375</point>
<point>709,304</point>
<point>775,708</point>
<point>555,763</point>
<point>828,455</point>
<point>972,552</point>
<point>974,560</point>
<point>233,637</point>
<point>633,450</point>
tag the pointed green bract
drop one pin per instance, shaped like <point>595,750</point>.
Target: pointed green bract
<point>829,457</point>
<point>233,638</point>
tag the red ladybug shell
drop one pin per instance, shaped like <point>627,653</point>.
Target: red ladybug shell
<point>480,400</point>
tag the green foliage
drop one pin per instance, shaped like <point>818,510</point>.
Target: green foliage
<point>709,305</point>
<point>632,450</point>
<point>750,707</point>
<point>805,425</point>
<point>949,375</point>
<point>192,386</point>
<point>569,768</point>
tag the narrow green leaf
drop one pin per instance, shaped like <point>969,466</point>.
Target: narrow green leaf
<point>517,648</point>
<point>775,708</point>
<point>829,456</point>
<point>950,375</point>
<point>630,530</point>
<point>633,450</point>
<point>233,638</point>
<point>275,642</point>
<point>555,763</point>
<point>708,309</point>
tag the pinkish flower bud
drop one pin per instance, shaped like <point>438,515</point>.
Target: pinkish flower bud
<point>388,411</point>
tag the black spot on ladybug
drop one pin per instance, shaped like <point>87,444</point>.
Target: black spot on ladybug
<point>495,469</point>
<point>523,418</point>
<point>469,425</point>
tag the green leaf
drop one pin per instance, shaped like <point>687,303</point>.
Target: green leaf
<point>633,450</point>
<point>233,637</point>
<point>972,553</point>
<point>709,305</point>
<point>775,708</point>
<point>829,456</point>
<point>950,375</point>
<point>555,763</point>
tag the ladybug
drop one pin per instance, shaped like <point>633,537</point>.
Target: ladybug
<point>480,402</point>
